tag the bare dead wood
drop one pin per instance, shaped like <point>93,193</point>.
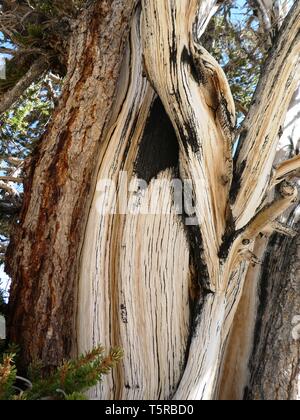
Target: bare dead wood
<point>143,281</point>
<point>180,86</point>
<point>289,195</point>
<point>180,91</point>
<point>286,169</point>
<point>142,292</point>
<point>261,127</point>
<point>235,376</point>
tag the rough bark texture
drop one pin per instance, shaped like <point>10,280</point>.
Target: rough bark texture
<point>44,251</point>
<point>166,293</point>
<point>275,362</point>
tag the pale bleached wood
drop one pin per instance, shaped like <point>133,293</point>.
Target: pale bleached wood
<point>170,56</point>
<point>189,91</point>
<point>288,196</point>
<point>168,46</point>
<point>235,372</point>
<point>285,169</point>
<point>260,136</point>
<point>135,270</point>
<point>206,10</point>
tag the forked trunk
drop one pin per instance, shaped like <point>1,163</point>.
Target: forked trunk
<point>163,284</point>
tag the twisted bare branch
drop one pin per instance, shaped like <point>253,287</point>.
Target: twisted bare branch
<point>260,131</point>
<point>285,169</point>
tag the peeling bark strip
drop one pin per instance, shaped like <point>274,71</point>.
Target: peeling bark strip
<point>44,251</point>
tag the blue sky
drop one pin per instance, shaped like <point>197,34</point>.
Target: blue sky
<point>4,280</point>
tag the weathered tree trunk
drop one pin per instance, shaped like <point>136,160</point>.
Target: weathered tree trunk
<point>254,305</point>
<point>275,363</point>
<point>262,360</point>
<point>166,292</point>
<point>43,259</point>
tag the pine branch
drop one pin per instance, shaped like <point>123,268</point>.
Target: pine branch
<point>8,188</point>
<point>76,376</point>
<point>7,377</point>
<point>14,161</point>
<point>34,73</point>
<point>9,51</point>
<point>16,180</point>
<point>9,209</point>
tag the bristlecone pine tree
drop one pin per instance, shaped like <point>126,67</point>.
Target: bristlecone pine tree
<point>205,304</point>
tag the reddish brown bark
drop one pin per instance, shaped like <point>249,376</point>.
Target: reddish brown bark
<point>44,253</point>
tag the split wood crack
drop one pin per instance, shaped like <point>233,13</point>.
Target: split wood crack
<point>197,98</point>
